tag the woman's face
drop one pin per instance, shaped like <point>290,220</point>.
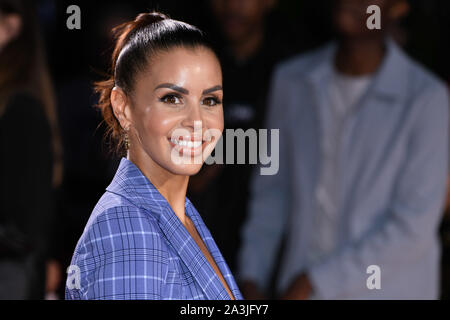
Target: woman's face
<point>176,114</point>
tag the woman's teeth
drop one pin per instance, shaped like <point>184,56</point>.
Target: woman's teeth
<point>188,144</point>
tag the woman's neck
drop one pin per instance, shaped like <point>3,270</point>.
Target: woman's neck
<point>171,186</point>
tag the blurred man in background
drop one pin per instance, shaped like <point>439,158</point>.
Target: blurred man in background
<point>363,166</point>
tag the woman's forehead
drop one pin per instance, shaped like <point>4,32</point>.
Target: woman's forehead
<point>186,67</point>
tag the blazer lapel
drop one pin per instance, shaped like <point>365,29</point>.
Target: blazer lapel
<point>213,249</point>
<point>131,183</point>
<point>191,255</point>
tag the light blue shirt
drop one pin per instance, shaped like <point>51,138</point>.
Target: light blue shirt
<point>392,166</point>
<point>342,94</point>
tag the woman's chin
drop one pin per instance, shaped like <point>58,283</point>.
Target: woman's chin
<point>185,169</point>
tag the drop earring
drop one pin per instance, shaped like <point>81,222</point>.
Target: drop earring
<point>126,139</point>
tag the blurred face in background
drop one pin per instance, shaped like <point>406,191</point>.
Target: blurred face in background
<point>350,17</point>
<point>9,28</point>
<point>240,18</point>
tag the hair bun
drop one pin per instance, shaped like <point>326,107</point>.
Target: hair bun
<point>125,30</point>
<point>148,18</point>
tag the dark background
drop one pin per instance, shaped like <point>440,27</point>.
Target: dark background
<point>77,58</point>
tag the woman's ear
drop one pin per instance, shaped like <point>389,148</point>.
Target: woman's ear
<point>119,103</point>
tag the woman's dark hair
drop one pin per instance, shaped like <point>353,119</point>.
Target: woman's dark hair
<point>137,42</point>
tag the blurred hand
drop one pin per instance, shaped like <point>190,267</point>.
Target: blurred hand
<point>250,291</point>
<point>447,201</point>
<point>53,276</point>
<point>300,289</point>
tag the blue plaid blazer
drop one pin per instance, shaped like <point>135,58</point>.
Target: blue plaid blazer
<point>135,247</point>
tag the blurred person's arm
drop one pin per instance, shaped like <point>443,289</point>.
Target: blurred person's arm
<point>268,207</point>
<point>413,216</point>
<point>26,175</point>
<point>26,181</point>
<point>300,289</point>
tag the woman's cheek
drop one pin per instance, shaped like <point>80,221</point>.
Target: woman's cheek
<point>216,121</point>
<point>156,121</point>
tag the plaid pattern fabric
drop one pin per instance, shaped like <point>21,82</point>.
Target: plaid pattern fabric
<point>135,247</point>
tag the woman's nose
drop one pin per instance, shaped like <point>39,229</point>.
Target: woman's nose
<point>193,117</point>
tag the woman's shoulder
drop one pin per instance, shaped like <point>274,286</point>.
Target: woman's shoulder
<point>120,240</point>
<point>116,222</point>
<point>113,206</point>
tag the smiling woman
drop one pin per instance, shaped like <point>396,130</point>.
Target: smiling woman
<point>145,239</point>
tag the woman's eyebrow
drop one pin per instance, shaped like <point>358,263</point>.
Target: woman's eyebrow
<point>173,87</point>
<point>215,88</point>
<point>185,91</point>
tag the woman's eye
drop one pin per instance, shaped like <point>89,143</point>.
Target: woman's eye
<point>211,101</point>
<point>171,99</point>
